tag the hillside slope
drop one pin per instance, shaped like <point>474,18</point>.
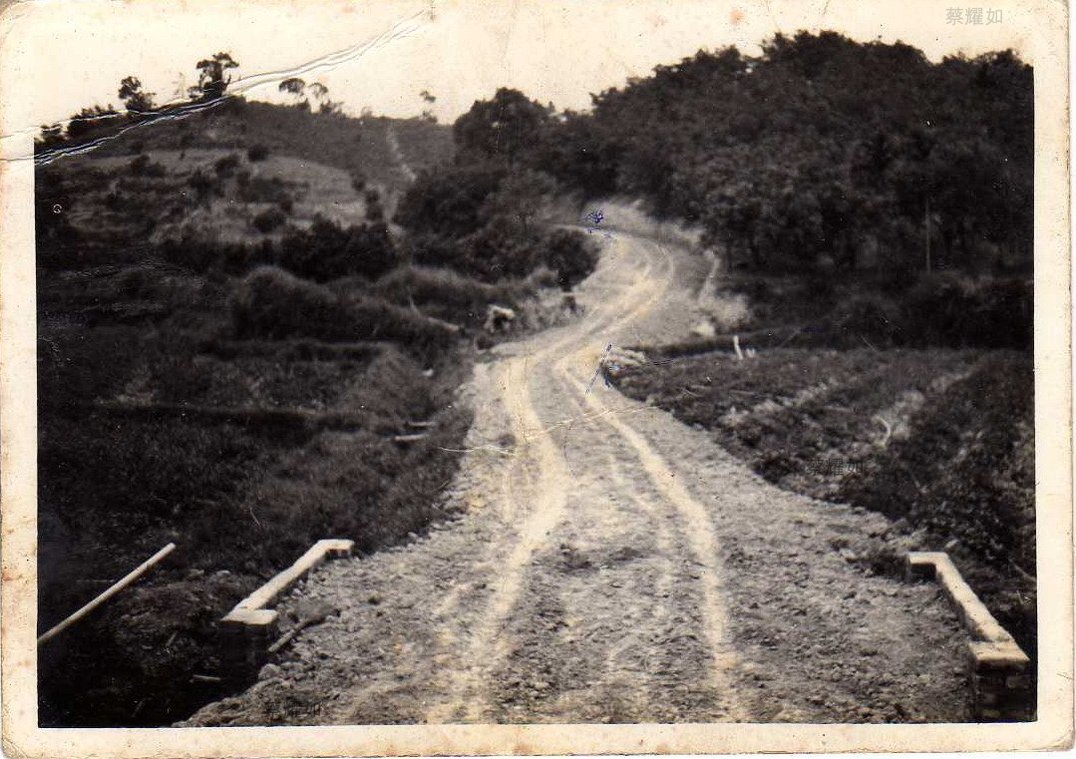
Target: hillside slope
<point>362,146</point>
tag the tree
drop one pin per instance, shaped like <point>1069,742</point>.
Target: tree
<point>449,200</point>
<point>89,120</point>
<point>500,128</point>
<point>293,86</point>
<point>320,93</point>
<point>137,100</point>
<point>522,195</point>
<point>212,81</point>
<point>51,135</point>
<point>427,112</point>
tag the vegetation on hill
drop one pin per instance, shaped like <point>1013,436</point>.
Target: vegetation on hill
<point>233,336</point>
<point>821,153</point>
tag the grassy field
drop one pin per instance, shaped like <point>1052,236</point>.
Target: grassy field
<point>939,439</point>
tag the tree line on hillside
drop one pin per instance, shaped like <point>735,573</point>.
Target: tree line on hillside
<point>139,106</point>
<point>817,155</point>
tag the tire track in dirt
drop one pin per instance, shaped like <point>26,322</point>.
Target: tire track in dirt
<point>485,643</point>
<point>585,580</point>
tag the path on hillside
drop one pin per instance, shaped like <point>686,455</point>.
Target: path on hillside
<point>612,565</point>
<point>393,141</point>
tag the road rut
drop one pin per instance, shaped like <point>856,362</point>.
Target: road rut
<point>610,564</point>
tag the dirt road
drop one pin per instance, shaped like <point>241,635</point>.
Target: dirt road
<point>610,564</point>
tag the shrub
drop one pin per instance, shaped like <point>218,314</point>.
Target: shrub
<point>571,255</point>
<point>498,251</point>
<point>143,167</point>
<point>435,251</point>
<point>445,294</point>
<point>269,220</point>
<point>257,153</point>
<point>203,185</point>
<point>868,316</point>
<point>326,251</point>
<point>952,310</point>
<point>201,254</point>
<point>449,201</point>
<point>227,165</point>
<point>264,190</point>
<point>271,303</point>
<point>358,182</point>
<point>372,318</point>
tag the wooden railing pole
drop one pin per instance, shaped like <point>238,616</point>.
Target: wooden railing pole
<point>112,590</point>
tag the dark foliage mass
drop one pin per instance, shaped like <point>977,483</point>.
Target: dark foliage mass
<point>483,215</point>
<point>326,251</point>
<point>448,202</point>
<point>821,152</point>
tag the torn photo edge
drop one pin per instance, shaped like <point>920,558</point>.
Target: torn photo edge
<point>1039,33</point>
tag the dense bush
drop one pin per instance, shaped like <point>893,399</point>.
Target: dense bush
<point>257,152</point>
<point>263,190</point>
<point>958,311</point>
<point>870,317</point>
<point>204,186</point>
<point>143,167</point>
<point>944,310</point>
<point>915,311</point>
<point>371,318</point>
<point>498,251</point>
<point>503,242</point>
<point>571,255</point>
<point>202,253</point>
<point>449,201</point>
<point>269,220</point>
<point>326,251</point>
<point>271,303</point>
<point>227,165</point>
<point>445,294</point>
<point>56,239</point>
<point>375,212</point>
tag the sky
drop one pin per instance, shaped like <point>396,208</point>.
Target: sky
<point>381,55</point>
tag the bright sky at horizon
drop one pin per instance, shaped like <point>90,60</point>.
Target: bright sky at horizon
<point>381,55</point>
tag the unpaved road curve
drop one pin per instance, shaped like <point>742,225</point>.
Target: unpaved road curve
<point>612,565</point>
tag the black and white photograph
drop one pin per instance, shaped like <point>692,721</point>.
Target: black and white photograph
<point>544,363</point>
